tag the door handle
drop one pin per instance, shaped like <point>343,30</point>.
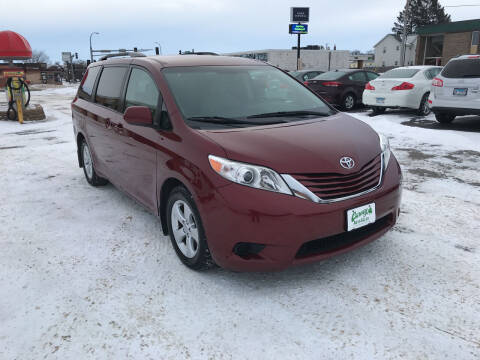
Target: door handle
<point>107,123</point>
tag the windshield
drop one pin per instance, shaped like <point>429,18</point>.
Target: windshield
<point>463,68</point>
<point>399,74</point>
<point>330,75</point>
<point>220,96</point>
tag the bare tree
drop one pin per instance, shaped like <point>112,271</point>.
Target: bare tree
<point>39,56</point>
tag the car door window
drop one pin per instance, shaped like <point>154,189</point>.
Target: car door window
<point>371,76</point>
<point>110,87</point>
<point>142,91</point>
<point>431,73</point>
<point>310,75</point>
<point>86,88</point>
<point>358,76</point>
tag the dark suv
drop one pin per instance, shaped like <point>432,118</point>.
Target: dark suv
<point>244,165</point>
<point>342,87</point>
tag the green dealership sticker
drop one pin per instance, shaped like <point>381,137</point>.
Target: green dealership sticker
<point>361,216</point>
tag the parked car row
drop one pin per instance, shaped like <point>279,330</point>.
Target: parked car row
<point>448,92</point>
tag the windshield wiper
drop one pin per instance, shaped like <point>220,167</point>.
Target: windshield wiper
<point>288,114</point>
<point>230,121</point>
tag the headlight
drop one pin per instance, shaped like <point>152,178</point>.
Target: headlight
<point>385,146</point>
<point>249,175</point>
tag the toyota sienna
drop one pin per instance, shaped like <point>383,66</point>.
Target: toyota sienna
<point>245,166</point>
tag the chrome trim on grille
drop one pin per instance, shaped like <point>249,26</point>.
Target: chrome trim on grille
<point>301,191</point>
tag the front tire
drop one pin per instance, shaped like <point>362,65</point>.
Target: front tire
<point>424,109</point>
<point>348,102</point>
<point>88,168</point>
<point>444,118</point>
<point>186,230</point>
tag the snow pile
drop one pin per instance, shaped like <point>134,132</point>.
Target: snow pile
<point>86,273</point>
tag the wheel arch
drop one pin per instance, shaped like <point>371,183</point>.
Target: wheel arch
<point>167,187</point>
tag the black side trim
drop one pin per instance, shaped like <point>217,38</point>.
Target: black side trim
<point>456,111</point>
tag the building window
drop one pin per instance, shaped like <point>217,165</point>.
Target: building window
<point>396,63</point>
<point>384,49</point>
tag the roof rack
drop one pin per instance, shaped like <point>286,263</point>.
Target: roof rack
<point>198,53</point>
<point>126,53</point>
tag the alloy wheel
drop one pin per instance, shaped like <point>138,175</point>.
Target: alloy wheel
<point>185,230</point>
<point>349,102</point>
<point>87,161</point>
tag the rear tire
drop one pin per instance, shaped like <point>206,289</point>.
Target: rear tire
<point>424,109</point>
<point>444,118</point>
<point>88,168</point>
<point>377,110</point>
<point>186,232</point>
<point>348,102</point>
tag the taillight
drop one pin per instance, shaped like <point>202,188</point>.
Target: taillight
<point>437,82</point>
<point>473,57</point>
<point>369,86</point>
<point>332,83</point>
<point>306,83</point>
<point>404,86</point>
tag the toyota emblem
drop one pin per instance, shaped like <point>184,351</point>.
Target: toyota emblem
<point>347,162</point>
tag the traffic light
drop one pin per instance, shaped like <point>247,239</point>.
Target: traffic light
<point>76,56</point>
<point>134,49</point>
<point>157,50</point>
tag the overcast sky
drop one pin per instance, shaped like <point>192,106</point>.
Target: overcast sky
<point>213,25</point>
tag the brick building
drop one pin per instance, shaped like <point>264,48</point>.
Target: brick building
<point>437,44</point>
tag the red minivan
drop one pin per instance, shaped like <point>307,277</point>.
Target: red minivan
<point>245,166</point>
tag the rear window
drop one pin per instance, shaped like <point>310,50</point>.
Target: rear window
<point>399,74</point>
<point>330,75</point>
<point>463,68</point>
<point>110,86</point>
<point>86,88</point>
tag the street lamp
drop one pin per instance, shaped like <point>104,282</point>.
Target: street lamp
<point>91,53</point>
<point>160,47</point>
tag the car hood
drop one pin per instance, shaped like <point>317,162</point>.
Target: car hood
<point>302,147</point>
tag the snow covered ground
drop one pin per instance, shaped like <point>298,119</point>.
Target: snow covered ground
<point>85,272</point>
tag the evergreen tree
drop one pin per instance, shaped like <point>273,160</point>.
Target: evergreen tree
<point>421,13</point>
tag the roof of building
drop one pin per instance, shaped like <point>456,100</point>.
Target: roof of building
<point>456,26</point>
<point>410,39</point>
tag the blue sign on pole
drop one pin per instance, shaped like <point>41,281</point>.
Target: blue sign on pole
<point>298,29</point>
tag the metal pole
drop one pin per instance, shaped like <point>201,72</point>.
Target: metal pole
<point>298,52</point>
<point>405,34</point>
<point>91,52</point>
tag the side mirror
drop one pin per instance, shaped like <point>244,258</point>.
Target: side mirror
<point>138,115</point>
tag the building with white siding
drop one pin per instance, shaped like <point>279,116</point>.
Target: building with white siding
<point>286,59</point>
<point>388,50</point>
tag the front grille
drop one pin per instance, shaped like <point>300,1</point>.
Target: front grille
<point>332,186</point>
<point>343,240</point>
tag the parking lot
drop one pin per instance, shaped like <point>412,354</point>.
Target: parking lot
<point>86,273</point>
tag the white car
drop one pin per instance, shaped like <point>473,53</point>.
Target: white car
<point>403,87</point>
<point>456,90</point>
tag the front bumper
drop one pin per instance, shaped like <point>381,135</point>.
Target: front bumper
<point>289,226</point>
<point>403,99</point>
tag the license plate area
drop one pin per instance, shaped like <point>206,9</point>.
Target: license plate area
<point>380,100</point>
<point>460,91</point>
<point>360,216</point>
